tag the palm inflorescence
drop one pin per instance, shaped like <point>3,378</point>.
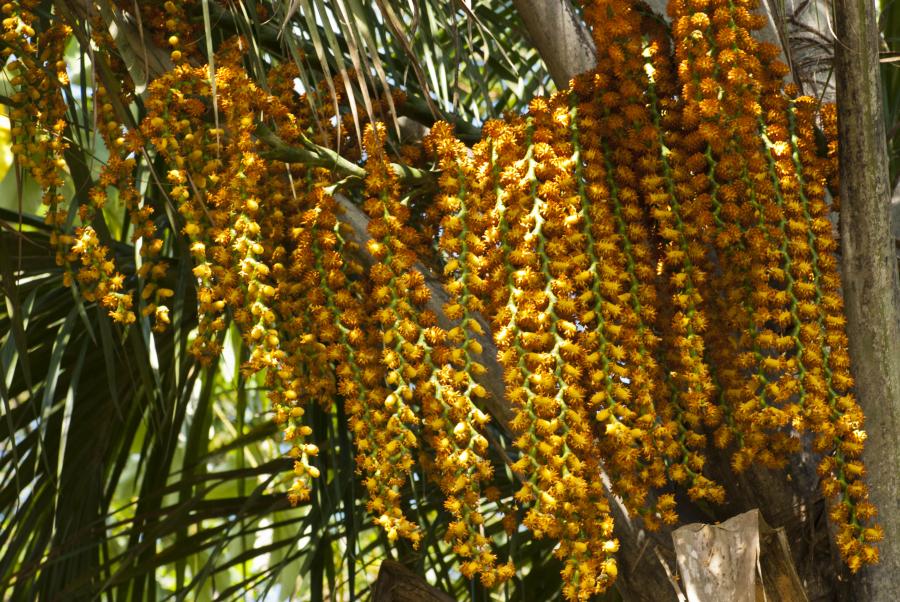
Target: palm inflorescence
<point>650,252</point>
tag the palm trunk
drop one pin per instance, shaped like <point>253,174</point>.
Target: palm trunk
<point>560,36</point>
<point>870,280</point>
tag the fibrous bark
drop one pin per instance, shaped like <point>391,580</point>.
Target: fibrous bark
<point>742,560</point>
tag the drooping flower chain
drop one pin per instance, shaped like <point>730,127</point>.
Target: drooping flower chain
<point>801,362</point>
<point>652,250</point>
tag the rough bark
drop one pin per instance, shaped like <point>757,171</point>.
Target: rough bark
<point>396,583</point>
<point>646,560</point>
<point>870,280</point>
<point>560,36</point>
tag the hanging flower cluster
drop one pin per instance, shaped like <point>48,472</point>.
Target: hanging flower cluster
<point>523,256</point>
<point>692,177</point>
<point>828,117</point>
<point>787,324</point>
<point>649,252</point>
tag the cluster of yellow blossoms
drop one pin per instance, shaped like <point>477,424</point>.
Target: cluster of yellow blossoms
<point>777,292</point>
<point>650,250</point>
<point>661,269</point>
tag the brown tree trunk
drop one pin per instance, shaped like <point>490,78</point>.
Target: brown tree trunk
<point>560,36</point>
<point>396,583</point>
<point>870,280</point>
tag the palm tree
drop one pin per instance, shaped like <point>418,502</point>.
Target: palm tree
<point>132,470</point>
